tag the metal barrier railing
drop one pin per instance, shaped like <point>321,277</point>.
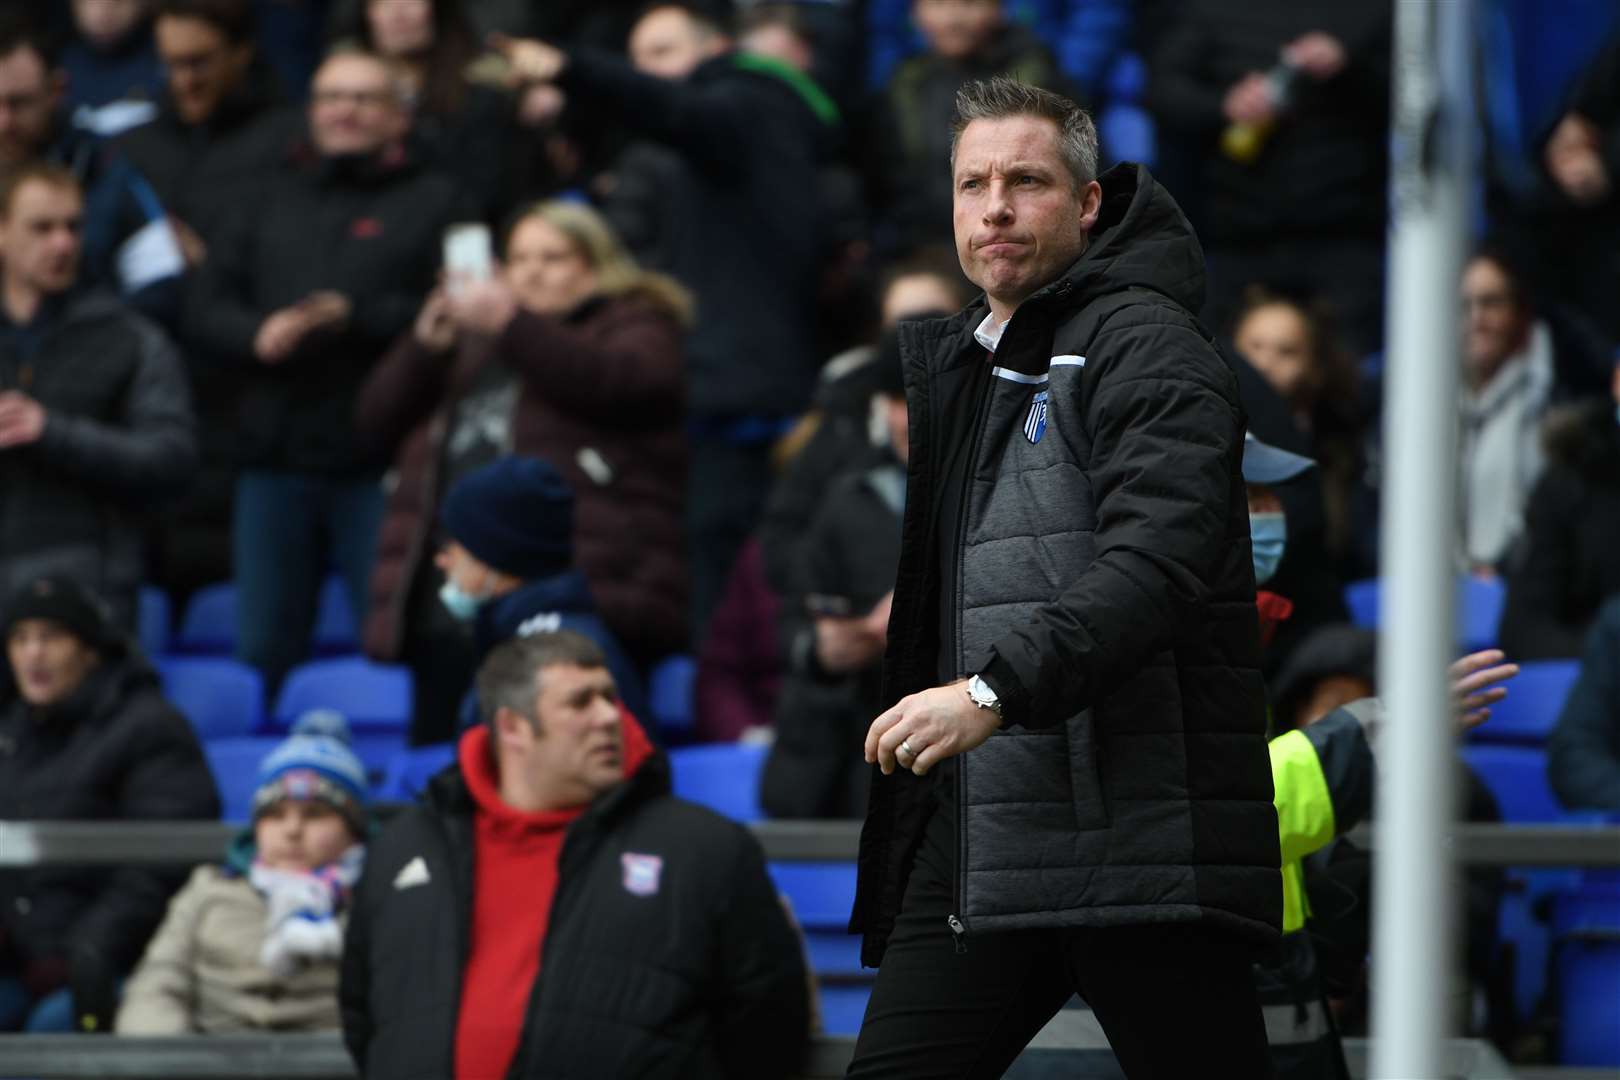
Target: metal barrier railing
<point>170,843</point>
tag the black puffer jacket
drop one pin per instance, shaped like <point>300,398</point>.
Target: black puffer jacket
<point>369,229</point>
<point>1103,584</point>
<point>702,979</point>
<point>118,438</point>
<point>113,751</point>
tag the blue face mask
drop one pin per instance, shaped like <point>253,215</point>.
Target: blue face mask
<point>462,605</point>
<point>1268,535</point>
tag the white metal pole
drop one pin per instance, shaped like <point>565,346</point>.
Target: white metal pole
<point>1413,891</point>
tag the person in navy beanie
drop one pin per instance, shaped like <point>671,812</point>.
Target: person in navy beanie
<point>508,563</point>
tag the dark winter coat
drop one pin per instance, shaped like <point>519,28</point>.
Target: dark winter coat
<point>815,769</point>
<point>1583,753</point>
<point>118,439</point>
<point>704,978</point>
<point>599,397</point>
<point>1566,566</point>
<point>370,229</point>
<point>1328,152</point>
<point>1104,587</point>
<point>206,174</point>
<point>560,602</point>
<point>740,218</point>
<point>115,750</point>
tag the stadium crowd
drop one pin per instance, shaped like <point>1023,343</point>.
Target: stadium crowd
<point>658,416</point>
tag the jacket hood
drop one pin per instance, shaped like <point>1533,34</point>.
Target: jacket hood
<point>1142,239</point>
<point>563,594</point>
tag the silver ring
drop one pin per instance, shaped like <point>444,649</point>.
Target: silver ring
<point>906,746</point>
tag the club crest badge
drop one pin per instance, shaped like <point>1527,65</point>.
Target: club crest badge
<point>641,873</point>
<point>1035,423</point>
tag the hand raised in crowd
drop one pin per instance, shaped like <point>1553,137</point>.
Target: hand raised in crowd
<point>22,419</point>
<point>850,643</point>
<point>1249,100</point>
<point>283,330</point>
<point>1317,54</point>
<point>529,61</point>
<point>1574,160</point>
<point>483,307</point>
<point>540,104</point>
<point>934,725</point>
<point>435,331</point>
<point>1472,686</point>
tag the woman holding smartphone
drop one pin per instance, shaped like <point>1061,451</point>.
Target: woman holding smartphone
<point>566,351</point>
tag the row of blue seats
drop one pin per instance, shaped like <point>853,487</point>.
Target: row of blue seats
<point>1478,612</point>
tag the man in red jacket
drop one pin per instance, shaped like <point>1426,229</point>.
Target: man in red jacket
<point>549,909</point>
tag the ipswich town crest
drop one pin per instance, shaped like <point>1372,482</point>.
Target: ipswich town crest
<point>1035,424</point>
<point>641,873</point>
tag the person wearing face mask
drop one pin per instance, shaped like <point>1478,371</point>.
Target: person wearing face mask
<point>1322,776</point>
<point>571,353</point>
<point>253,944</point>
<point>508,565</point>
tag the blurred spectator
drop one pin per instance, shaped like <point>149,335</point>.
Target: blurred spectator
<point>305,293</point>
<point>114,78</point>
<point>95,423</point>
<point>253,945</point>
<point>1087,36</point>
<point>1264,469</point>
<point>1583,754</point>
<point>458,128</point>
<point>220,134</point>
<point>85,735</point>
<point>571,353</point>
<point>1294,351</point>
<point>1289,100</point>
<point>966,40</point>
<point>739,667</point>
<point>126,242</point>
<point>1508,379</point>
<point>1566,566</point>
<point>834,686</point>
<point>508,563</point>
<point>741,216</point>
<point>1334,666</point>
<point>1580,233</point>
<point>665,920</point>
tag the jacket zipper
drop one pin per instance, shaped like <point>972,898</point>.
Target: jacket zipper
<point>959,876</point>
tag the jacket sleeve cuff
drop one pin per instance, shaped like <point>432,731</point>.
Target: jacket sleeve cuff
<point>1016,707</point>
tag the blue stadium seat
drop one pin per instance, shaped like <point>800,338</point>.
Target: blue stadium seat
<point>1534,699</point>
<point>843,1008</point>
<point>409,771</point>
<point>376,750</point>
<point>1586,935</point>
<point>209,625</point>
<point>1127,133</point>
<point>669,695</point>
<point>723,776</point>
<point>221,697</point>
<point>1479,609</point>
<point>822,893</point>
<point>235,764</point>
<point>335,631</point>
<point>374,697</point>
<point>1517,777</point>
<point>154,620</point>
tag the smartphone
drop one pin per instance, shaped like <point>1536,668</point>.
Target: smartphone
<point>469,254</point>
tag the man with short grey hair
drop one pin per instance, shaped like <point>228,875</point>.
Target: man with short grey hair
<point>1072,792</point>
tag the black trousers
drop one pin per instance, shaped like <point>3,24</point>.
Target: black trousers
<point>1176,1001</point>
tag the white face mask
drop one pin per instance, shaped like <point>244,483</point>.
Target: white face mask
<point>462,605</point>
<point>1268,536</point>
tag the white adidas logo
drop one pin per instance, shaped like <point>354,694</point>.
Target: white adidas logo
<point>414,873</point>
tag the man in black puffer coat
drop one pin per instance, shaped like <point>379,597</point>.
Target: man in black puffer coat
<point>548,910</point>
<point>85,735</point>
<point>1073,638</point>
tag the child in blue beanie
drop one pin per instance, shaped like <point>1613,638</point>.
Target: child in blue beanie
<point>254,945</point>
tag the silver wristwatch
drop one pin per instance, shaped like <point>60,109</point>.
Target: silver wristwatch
<point>979,692</point>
